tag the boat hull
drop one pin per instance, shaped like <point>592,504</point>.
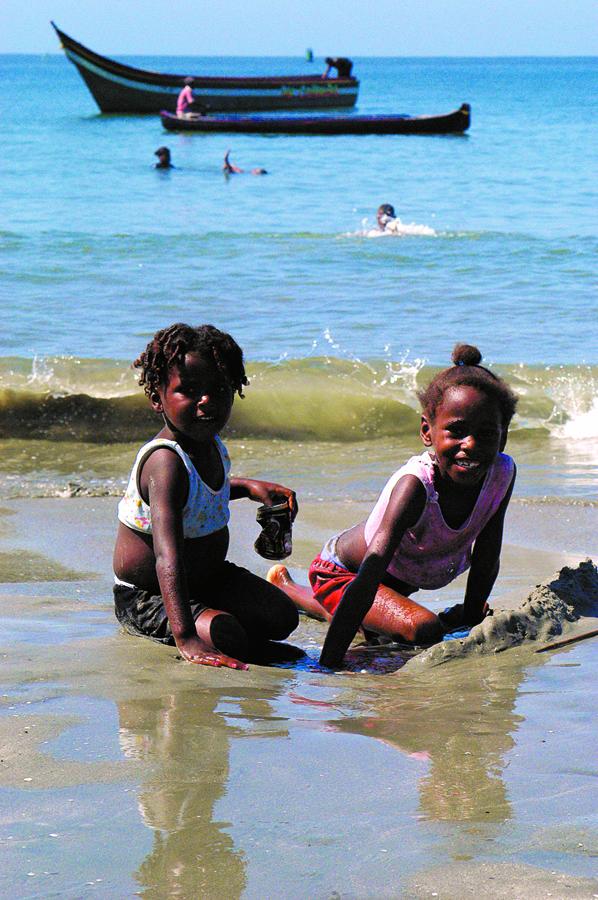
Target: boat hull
<point>451,123</point>
<point>118,88</point>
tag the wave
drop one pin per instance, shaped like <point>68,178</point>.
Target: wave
<point>312,399</point>
<point>139,242</point>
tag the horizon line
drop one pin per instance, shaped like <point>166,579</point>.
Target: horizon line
<point>60,51</point>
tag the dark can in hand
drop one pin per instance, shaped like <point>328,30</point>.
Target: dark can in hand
<point>275,539</point>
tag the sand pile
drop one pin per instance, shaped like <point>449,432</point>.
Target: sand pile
<point>553,608</point>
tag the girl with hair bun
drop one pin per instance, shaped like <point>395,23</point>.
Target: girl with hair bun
<point>439,515</point>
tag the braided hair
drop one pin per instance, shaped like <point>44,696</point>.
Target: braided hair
<point>466,370</point>
<point>169,347</point>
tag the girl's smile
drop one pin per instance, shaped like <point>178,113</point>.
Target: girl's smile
<point>197,400</point>
<point>465,434</point>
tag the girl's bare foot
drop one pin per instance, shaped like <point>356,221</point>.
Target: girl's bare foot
<point>301,596</point>
<point>279,575</point>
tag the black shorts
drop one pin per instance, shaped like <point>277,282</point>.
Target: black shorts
<point>261,609</point>
<point>143,614</point>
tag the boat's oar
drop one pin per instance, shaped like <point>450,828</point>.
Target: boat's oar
<point>562,642</point>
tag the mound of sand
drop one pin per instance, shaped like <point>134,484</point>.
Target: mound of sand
<point>553,608</point>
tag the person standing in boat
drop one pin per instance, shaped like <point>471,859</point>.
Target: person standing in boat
<point>185,98</point>
<point>342,65</point>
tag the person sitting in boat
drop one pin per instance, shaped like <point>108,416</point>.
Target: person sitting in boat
<point>163,154</point>
<point>229,168</point>
<point>185,98</point>
<point>342,65</point>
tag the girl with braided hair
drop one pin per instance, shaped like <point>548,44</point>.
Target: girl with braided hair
<point>173,582</point>
<point>439,515</point>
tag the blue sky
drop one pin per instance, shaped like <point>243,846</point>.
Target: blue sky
<point>287,27</point>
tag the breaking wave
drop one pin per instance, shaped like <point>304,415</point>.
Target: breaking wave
<point>315,399</point>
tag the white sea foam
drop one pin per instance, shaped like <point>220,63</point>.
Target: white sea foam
<point>396,228</point>
<point>576,408</point>
<point>401,372</point>
<point>583,426</point>
<point>64,375</point>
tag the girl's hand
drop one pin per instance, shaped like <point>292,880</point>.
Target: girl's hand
<point>270,493</point>
<point>455,616</point>
<point>195,651</point>
<point>267,492</point>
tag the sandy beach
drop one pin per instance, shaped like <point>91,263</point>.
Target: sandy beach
<point>126,771</point>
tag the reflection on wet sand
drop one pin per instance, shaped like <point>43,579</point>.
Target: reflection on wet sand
<point>184,737</point>
<point>461,722</point>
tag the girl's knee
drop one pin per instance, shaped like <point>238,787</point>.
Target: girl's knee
<point>225,633</point>
<point>284,620</point>
<point>427,629</point>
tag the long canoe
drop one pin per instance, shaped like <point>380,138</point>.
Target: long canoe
<point>451,123</point>
<point>118,88</point>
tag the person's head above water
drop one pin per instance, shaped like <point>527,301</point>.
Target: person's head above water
<point>385,213</point>
<point>169,347</point>
<point>163,154</point>
<point>467,372</point>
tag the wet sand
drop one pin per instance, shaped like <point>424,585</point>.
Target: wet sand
<point>126,771</point>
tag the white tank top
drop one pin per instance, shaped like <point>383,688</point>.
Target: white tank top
<point>205,511</point>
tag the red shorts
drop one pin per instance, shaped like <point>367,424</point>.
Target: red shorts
<point>328,582</point>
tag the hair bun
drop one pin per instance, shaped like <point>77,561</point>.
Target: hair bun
<point>466,355</point>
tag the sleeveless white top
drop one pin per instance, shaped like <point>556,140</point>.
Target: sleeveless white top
<point>205,512</point>
<point>431,553</point>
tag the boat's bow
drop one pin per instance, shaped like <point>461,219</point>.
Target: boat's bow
<point>120,88</point>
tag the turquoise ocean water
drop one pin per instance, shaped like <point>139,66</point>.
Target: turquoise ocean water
<point>97,250</point>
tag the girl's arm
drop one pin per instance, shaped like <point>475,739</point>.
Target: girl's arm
<point>267,492</point>
<point>485,563</point>
<point>404,508</point>
<point>167,489</point>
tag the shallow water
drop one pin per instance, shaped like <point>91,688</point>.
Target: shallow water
<point>226,784</point>
<point>222,783</point>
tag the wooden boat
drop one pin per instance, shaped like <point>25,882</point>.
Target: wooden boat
<point>451,123</point>
<point>118,88</point>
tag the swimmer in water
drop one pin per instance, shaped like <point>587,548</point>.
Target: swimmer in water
<point>229,168</point>
<point>389,224</point>
<point>163,154</point>
<point>385,215</point>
